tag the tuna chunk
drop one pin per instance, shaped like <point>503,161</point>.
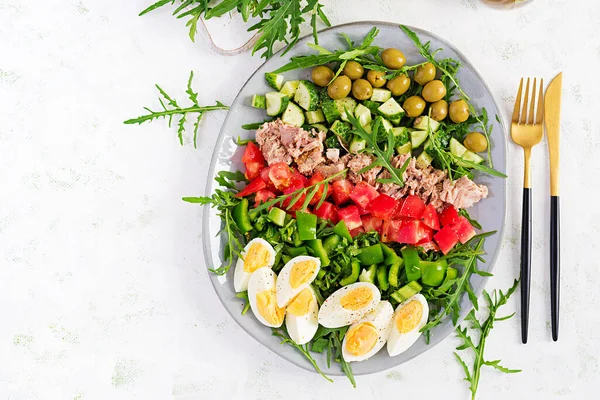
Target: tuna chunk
<point>463,193</point>
<point>328,170</point>
<point>356,162</point>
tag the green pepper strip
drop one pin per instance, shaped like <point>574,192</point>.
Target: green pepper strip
<point>371,255</point>
<point>353,277</point>
<point>382,278</point>
<point>317,247</point>
<point>307,225</point>
<point>390,255</point>
<point>241,217</point>
<point>331,242</point>
<point>342,230</point>
<point>411,263</point>
<point>297,251</point>
<point>433,272</point>
<point>368,274</point>
<point>394,273</point>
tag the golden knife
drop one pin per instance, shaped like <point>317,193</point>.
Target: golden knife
<point>552,122</point>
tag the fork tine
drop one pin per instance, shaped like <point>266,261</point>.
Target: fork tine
<point>515,116</point>
<point>525,102</point>
<point>540,107</point>
<point>532,104</point>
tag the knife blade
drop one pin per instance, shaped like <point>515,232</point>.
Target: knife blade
<point>552,122</point>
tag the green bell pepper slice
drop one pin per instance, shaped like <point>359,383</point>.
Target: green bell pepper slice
<point>297,251</point>
<point>394,273</point>
<point>433,272</point>
<point>341,229</point>
<point>241,217</point>
<point>390,255</point>
<point>406,292</point>
<point>411,263</point>
<point>307,225</point>
<point>319,250</point>
<point>353,277</point>
<point>371,255</point>
<point>382,278</point>
<point>368,274</point>
<point>331,242</point>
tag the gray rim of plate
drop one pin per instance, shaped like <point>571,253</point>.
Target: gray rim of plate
<point>273,343</point>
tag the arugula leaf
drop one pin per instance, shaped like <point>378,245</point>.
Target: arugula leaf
<point>175,110</point>
<point>494,302</point>
<point>244,296</point>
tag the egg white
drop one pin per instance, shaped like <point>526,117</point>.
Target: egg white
<point>400,342</point>
<point>285,293</point>
<point>381,318</point>
<point>262,279</point>
<point>302,328</point>
<point>333,315</point>
<point>241,277</point>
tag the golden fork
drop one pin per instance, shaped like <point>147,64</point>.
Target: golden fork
<point>526,131</point>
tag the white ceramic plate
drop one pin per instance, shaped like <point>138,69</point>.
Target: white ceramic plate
<point>489,212</point>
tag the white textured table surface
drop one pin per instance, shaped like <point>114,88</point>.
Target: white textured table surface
<point>104,293</point>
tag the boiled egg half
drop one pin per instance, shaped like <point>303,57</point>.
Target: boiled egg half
<point>349,304</point>
<point>258,253</point>
<point>261,295</point>
<point>301,318</point>
<point>408,320</point>
<point>296,275</point>
<point>367,336</point>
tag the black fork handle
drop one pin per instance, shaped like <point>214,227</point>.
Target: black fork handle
<point>554,263</point>
<point>525,263</point>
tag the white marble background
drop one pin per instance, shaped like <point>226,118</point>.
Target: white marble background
<point>103,289</point>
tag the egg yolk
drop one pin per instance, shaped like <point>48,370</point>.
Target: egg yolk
<point>409,316</point>
<point>361,338</point>
<point>257,256</point>
<point>267,307</point>
<point>357,298</point>
<point>302,272</point>
<point>301,304</point>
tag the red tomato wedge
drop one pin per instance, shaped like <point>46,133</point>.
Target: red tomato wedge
<point>264,174</point>
<point>362,211</point>
<point>263,196</point>
<point>253,169</point>
<point>413,207</point>
<point>254,186</point>
<point>428,245</point>
<point>430,218</point>
<point>294,185</point>
<point>363,194</point>
<point>350,216</point>
<point>410,232</point>
<point>281,175</point>
<point>449,215</point>
<point>355,232</point>
<point>252,154</point>
<point>371,223</point>
<point>463,229</point>
<point>326,211</point>
<point>341,191</point>
<point>383,207</point>
<point>425,233</point>
<point>446,238</point>
<point>316,178</point>
<point>390,230</point>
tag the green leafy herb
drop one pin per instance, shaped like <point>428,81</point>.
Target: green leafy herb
<point>486,128</point>
<point>280,20</point>
<point>244,296</point>
<point>494,302</point>
<point>255,125</point>
<point>172,108</point>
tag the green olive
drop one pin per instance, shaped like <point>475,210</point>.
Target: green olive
<point>439,110</point>
<point>434,91</point>
<point>476,142</point>
<point>376,78</point>
<point>414,106</point>
<point>353,70</point>
<point>425,73</point>
<point>362,89</point>
<point>339,88</point>
<point>322,75</point>
<point>393,58</point>
<point>459,111</point>
<point>399,85</point>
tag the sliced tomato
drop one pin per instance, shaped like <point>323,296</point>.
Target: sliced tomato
<point>362,211</point>
<point>264,174</point>
<point>425,233</point>
<point>254,186</point>
<point>449,215</point>
<point>383,207</point>
<point>326,211</point>
<point>427,246</point>
<point>298,177</point>
<point>341,191</point>
<point>413,207</point>
<point>390,230</point>
<point>430,218</point>
<point>363,194</point>
<point>263,196</point>
<point>355,232</point>
<point>316,178</point>
<point>252,154</point>
<point>281,175</point>
<point>371,223</point>
<point>350,216</point>
<point>463,229</point>
<point>253,169</point>
<point>446,238</point>
<point>410,232</point>
<point>294,185</point>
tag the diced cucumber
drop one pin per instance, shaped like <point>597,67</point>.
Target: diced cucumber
<point>357,144</point>
<point>381,95</point>
<point>320,128</point>
<point>276,103</point>
<point>259,101</point>
<point>387,125</point>
<point>347,103</point>
<point>341,128</point>
<point>274,80</point>
<point>406,148</point>
<point>401,132</point>
<point>277,216</point>
<point>289,88</point>
<point>391,110</point>
<point>372,105</point>
<point>363,114</point>
<point>293,115</point>
<point>330,110</point>
<point>417,138</point>
<point>314,117</point>
<point>406,292</point>
<point>424,160</point>
<point>470,156</point>
<point>422,122</point>
<point>456,148</point>
<point>368,274</point>
<point>307,95</point>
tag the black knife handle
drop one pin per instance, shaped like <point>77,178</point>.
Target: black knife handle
<point>525,263</point>
<point>554,262</point>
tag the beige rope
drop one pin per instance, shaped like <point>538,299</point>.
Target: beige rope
<point>229,52</point>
